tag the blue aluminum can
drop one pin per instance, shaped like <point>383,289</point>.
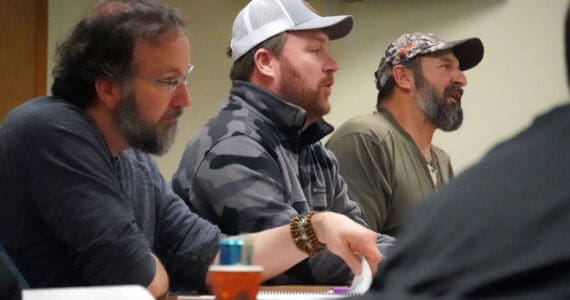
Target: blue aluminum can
<point>230,251</point>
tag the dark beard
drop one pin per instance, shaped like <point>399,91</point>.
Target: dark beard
<point>140,134</point>
<point>447,117</point>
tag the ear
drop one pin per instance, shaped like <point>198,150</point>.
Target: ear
<point>264,62</point>
<point>109,92</point>
<point>403,77</point>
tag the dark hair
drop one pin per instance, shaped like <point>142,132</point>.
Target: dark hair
<point>102,45</point>
<point>386,90</point>
<point>243,67</point>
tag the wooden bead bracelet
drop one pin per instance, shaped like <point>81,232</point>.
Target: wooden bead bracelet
<point>304,236</point>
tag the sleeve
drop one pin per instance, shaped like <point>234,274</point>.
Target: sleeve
<point>364,164</point>
<point>11,280</point>
<point>341,202</point>
<point>78,196</point>
<point>241,182</point>
<point>327,267</point>
<point>187,244</point>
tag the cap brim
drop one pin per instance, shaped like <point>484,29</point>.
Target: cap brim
<point>469,52</point>
<point>335,27</point>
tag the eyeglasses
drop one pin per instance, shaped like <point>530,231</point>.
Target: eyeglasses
<point>170,82</point>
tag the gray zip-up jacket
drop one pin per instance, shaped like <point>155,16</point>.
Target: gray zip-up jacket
<point>254,167</point>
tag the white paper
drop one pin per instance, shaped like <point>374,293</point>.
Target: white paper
<point>361,282</point>
<point>124,292</point>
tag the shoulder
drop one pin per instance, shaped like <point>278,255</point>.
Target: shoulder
<point>441,154</point>
<point>367,123</point>
<point>374,124</point>
<point>374,128</point>
<point>235,128</point>
<point>49,131</point>
<point>233,119</point>
<point>41,116</point>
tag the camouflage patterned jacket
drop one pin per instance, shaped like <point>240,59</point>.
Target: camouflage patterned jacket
<point>254,167</point>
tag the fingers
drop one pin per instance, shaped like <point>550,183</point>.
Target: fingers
<point>373,263</point>
<point>362,243</point>
<point>345,237</point>
<point>371,254</point>
<point>352,260</point>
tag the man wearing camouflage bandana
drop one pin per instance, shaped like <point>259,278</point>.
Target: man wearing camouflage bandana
<point>259,162</point>
<point>387,158</point>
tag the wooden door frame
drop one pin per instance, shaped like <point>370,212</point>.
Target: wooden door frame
<point>41,49</point>
<point>29,64</point>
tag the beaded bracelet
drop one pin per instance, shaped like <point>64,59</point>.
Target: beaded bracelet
<point>296,235</point>
<point>315,244</point>
<point>304,235</point>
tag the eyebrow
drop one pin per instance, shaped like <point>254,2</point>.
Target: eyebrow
<point>174,70</point>
<point>321,38</point>
<point>317,36</point>
<point>444,57</point>
<point>169,71</point>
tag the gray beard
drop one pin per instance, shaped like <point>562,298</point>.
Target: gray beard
<point>140,134</point>
<point>447,117</point>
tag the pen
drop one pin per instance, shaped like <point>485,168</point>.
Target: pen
<point>339,290</point>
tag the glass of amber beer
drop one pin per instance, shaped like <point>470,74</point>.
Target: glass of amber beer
<point>234,282</point>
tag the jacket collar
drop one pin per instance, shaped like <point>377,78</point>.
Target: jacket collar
<point>285,115</point>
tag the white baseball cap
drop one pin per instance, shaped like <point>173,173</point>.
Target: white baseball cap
<point>261,19</point>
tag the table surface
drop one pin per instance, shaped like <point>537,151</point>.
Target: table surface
<point>276,288</point>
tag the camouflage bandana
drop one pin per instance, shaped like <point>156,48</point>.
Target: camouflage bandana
<point>469,52</point>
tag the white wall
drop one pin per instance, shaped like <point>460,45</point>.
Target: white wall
<point>521,75</point>
<point>62,16</point>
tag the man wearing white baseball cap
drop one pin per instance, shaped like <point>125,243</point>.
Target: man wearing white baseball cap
<point>387,157</point>
<point>259,162</point>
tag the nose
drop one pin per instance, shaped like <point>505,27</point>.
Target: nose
<point>331,65</point>
<point>460,78</point>
<point>181,96</point>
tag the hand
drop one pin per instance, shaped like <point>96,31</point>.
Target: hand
<point>347,238</point>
